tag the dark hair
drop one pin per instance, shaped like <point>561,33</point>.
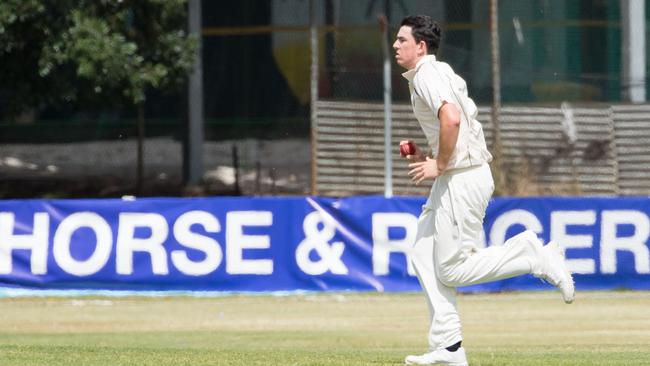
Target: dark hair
<point>424,29</point>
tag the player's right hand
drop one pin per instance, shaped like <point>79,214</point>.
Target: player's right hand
<point>410,151</point>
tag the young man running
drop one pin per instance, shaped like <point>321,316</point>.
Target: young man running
<point>446,254</point>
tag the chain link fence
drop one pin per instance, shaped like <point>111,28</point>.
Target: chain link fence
<point>256,57</point>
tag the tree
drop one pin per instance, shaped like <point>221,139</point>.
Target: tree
<point>92,51</point>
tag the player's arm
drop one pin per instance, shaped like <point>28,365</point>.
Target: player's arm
<point>449,117</point>
<point>436,94</point>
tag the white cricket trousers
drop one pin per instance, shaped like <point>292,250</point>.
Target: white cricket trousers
<point>447,253</point>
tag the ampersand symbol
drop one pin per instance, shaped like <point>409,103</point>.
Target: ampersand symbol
<point>318,240</point>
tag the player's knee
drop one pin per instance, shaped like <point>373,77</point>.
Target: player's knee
<point>447,277</point>
<point>450,281</point>
<point>527,237</point>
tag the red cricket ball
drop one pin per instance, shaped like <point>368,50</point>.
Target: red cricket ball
<point>407,148</point>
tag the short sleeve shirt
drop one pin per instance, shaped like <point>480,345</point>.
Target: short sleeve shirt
<point>433,83</point>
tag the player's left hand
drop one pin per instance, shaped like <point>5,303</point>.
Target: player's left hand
<point>422,170</point>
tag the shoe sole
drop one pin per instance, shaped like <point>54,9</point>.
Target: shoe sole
<point>561,253</point>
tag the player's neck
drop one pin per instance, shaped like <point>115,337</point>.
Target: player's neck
<point>418,61</point>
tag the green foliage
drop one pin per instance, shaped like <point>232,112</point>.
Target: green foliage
<point>89,51</point>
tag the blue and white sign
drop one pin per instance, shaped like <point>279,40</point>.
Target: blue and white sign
<point>295,243</point>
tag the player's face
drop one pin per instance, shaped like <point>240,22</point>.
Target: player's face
<point>407,51</point>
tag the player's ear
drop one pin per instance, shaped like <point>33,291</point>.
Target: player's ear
<point>422,47</point>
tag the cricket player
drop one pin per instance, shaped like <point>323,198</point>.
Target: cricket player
<point>446,254</point>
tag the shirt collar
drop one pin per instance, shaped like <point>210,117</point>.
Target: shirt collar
<point>410,74</point>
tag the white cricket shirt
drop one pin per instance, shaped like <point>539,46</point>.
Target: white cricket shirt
<point>431,83</point>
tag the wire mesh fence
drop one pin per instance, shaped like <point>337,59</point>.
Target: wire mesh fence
<point>256,57</point>
<point>551,54</point>
<point>550,51</point>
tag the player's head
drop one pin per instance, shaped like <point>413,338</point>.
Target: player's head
<point>418,36</point>
<point>424,29</point>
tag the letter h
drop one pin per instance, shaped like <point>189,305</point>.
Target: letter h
<point>36,242</point>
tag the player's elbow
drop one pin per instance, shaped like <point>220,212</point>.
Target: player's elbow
<point>454,122</point>
<point>449,116</point>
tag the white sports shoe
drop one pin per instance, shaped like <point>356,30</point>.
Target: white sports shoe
<point>439,357</point>
<point>556,271</point>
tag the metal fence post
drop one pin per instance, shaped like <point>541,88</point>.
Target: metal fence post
<point>314,94</point>
<point>496,91</point>
<point>388,106</point>
<point>193,149</point>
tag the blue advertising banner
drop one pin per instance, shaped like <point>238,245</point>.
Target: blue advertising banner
<point>295,243</point>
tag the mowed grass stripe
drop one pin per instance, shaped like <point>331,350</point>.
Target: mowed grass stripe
<point>531,328</point>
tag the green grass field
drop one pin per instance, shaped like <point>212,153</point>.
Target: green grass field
<point>601,328</point>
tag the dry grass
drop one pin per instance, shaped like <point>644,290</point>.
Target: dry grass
<point>601,328</point>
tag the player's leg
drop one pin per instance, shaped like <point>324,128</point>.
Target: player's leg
<point>463,203</point>
<point>444,330</point>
